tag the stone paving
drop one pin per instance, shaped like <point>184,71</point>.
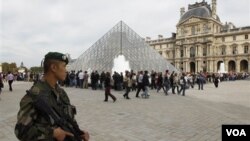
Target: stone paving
<point>198,116</point>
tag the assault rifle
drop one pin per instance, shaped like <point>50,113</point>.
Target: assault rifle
<point>61,120</point>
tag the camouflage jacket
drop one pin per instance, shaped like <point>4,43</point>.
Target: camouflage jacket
<point>31,124</point>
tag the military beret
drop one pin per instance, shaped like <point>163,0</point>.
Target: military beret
<point>56,56</point>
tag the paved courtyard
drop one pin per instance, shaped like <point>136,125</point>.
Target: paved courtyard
<point>196,117</point>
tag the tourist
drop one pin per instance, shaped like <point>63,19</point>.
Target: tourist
<point>81,76</point>
<point>183,81</point>
<point>145,84</point>
<point>1,84</point>
<point>171,79</point>
<point>72,78</point>
<point>102,79</point>
<point>127,84</point>
<point>108,88</point>
<point>200,81</point>
<point>175,83</point>
<point>139,83</point>
<point>216,81</point>
<point>10,78</point>
<point>153,75</point>
<point>166,82</point>
<point>96,80</point>
<point>92,78</point>
<point>85,79</point>
<point>133,81</point>
<point>160,82</point>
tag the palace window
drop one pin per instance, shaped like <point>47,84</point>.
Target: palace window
<point>205,51</point>
<point>205,28</point>
<point>193,30</point>
<point>246,49</point>
<point>234,50</point>
<point>246,36</point>
<point>192,52</point>
<point>182,31</point>
<point>223,50</point>
<point>208,49</point>
<point>182,53</point>
<point>234,37</point>
<point>223,39</point>
<point>167,53</point>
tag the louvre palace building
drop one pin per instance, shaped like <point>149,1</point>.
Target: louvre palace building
<point>202,42</point>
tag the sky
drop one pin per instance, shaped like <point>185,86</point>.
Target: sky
<point>31,28</point>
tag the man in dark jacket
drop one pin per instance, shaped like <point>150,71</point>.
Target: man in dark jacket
<point>145,81</point>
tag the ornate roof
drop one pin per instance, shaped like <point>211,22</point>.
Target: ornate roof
<point>201,10</point>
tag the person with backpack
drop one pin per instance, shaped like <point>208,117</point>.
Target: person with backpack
<point>183,82</point>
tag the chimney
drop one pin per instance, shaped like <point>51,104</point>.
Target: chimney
<point>148,38</point>
<point>160,36</point>
<point>182,11</point>
<point>214,5</point>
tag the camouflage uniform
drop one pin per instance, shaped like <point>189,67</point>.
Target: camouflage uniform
<point>31,124</point>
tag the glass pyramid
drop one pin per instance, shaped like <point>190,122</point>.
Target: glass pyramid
<point>121,40</point>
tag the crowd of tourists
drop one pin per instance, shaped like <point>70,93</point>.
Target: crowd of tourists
<point>169,82</point>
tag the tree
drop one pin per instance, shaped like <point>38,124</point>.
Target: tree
<point>9,67</point>
<point>36,69</point>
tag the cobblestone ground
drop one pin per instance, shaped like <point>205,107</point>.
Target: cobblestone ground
<point>198,116</point>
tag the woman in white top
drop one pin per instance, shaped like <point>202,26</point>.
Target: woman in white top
<point>10,78</point>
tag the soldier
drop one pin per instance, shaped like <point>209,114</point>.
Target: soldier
<point>33,123</point>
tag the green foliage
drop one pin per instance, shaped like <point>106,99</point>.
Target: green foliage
<point>36,69</point>
<point>9,67</point>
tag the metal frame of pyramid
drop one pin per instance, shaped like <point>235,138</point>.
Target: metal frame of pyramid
<point>121,39</point>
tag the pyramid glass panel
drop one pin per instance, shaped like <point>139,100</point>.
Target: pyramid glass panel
<point>121,40</point>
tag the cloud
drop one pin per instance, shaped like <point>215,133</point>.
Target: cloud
<point>30,29</point>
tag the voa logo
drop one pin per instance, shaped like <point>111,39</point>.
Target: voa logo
<point>236,132</point>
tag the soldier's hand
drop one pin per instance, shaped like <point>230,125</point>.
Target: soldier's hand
<point>85,136</point>
<point>59,134</point>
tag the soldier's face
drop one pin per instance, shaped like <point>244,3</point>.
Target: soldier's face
<point>61,71</point>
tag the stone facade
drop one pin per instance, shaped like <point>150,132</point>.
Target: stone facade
<point>202,42</point>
